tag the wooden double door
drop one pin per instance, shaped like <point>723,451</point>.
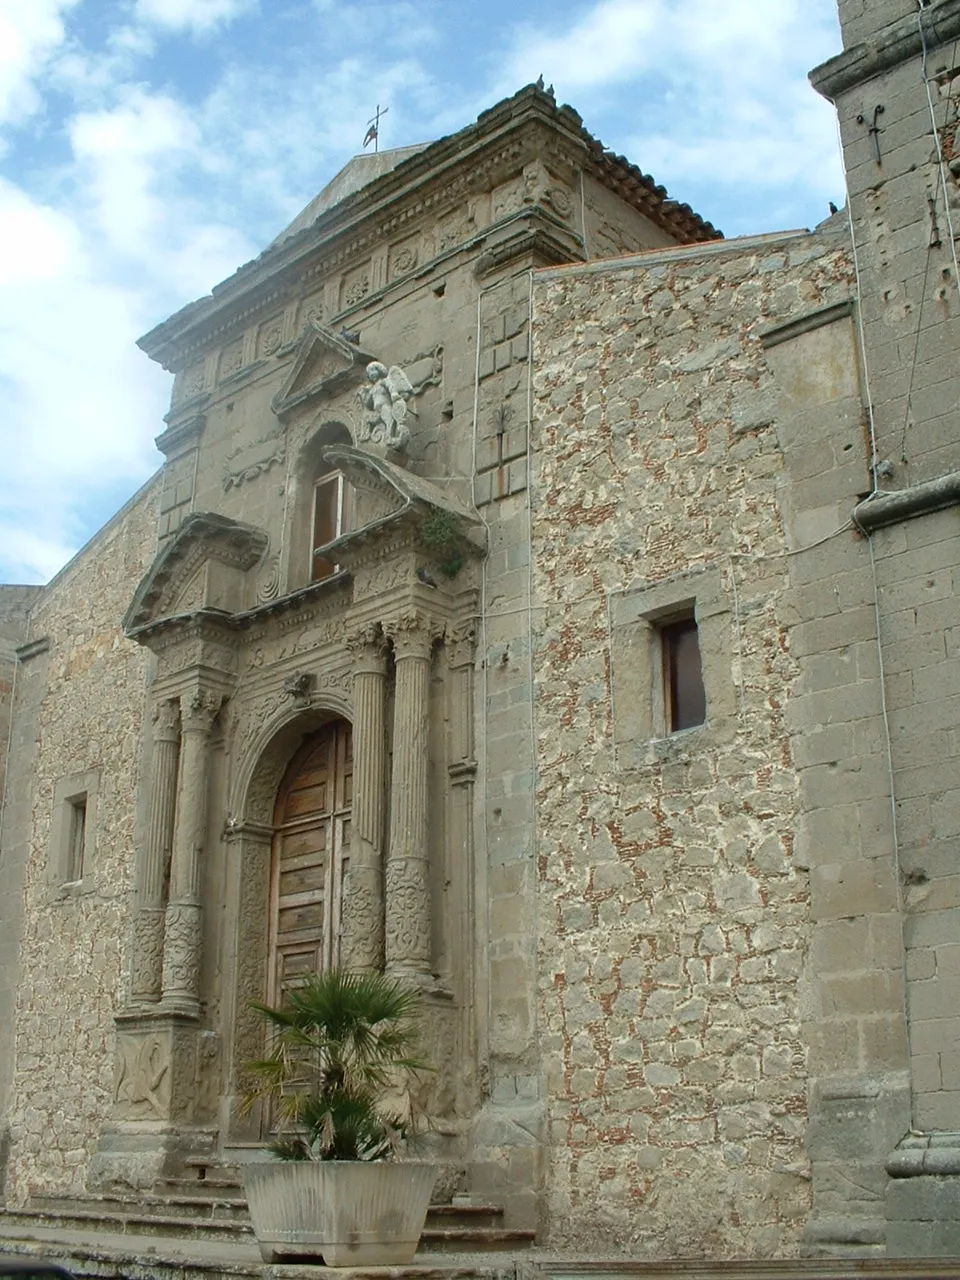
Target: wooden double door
<point>311,851</point>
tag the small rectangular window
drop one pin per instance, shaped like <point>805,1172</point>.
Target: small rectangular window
<point>76,838</point>
<point>328,522</point>
<point>684,699</point>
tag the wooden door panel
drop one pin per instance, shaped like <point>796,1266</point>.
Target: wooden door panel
<point>311,845</point>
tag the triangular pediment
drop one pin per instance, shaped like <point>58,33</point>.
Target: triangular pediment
<point>201,568</point>
<point>325,360</point>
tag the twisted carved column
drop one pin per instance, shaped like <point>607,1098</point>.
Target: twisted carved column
<point>408,940</point>
<point>362,912</point>
<point>147,967</point>
<point>181,947</point>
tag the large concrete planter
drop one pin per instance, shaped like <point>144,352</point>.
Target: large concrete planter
<point>349,1213</point>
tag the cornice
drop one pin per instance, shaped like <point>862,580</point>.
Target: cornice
<point>203,535</point>
<point>440,176</point>
<point>895,44</point>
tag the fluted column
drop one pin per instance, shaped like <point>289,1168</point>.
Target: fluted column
<point>147,967</point>
<point>181,945</point>
<point>362,913</point>
<point>408,941</point>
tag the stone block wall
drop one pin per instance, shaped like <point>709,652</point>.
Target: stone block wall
<point>898,103</point>
<point>674,911</point>
<point>77,731</point>
<point>15,605</point>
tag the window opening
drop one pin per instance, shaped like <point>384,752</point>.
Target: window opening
<point>683,695</point>
<point>328,521</point>
<point>77,838</point>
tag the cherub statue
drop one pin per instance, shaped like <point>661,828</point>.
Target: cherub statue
<point>385,405</point>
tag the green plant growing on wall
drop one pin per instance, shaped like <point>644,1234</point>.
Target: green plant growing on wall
<point>339,1042</point>
<point>440,533</point>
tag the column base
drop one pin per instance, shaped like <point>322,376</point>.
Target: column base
<point>132,1156</point>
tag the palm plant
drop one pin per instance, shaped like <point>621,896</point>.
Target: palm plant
<point>340,1040</point>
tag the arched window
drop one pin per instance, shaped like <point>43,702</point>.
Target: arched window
<point>322,507</point>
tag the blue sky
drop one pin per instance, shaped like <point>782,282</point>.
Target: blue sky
<point>149,147</point>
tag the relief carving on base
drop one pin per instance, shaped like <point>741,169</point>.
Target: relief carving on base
<point>361,920</point>
<point>142,1088</point>
<point>408,910</point>
<point>147,959</point>
<point>181,951</point>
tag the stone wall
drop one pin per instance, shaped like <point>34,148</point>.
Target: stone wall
<point>79,723</point>
<point>674,916</point>
<point>898,104</point>
<point>15,605</point>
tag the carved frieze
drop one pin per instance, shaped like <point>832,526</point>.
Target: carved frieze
<point>355,286</point>
<point>231,359</point>
<point>378,579</point>
<point>454,230</point>
<point>250,461</point>
<point>403,258</point>
<point>560,200</point>
<point>190,647</point>
<point>142,1084</point>
<point>270,337</point>
<point>190,383</point>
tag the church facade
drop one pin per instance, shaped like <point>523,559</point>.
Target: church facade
<point>552,604</point>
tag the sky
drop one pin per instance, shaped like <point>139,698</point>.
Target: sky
<point>149,147</point>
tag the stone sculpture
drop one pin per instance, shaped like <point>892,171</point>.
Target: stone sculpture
<point>385,406</point>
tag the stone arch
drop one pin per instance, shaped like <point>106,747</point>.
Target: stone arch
<point>272,749</point>
<point>249,838</point>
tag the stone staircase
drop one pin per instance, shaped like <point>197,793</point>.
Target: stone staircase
<point>207,1204</point>
<point>196,1227</point>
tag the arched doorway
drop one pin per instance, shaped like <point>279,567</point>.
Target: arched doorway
<point>311,850</point>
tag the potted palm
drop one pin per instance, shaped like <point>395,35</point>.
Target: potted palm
<point>336,1187</point>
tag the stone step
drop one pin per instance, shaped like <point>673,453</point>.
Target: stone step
<point>474,1239</point>
<point>95,1255</point>
<point>449,1228</point>
<point>208,1207</point>
<point>161,1226</point>
<point>179,1207</point>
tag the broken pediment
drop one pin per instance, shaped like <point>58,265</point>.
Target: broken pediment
<point>203,567</point>
<point>325,360</point>
<point>387,497</point>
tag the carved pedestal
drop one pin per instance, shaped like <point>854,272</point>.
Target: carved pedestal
<point>155,1088</point>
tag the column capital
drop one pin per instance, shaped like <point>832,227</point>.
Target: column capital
<point>413,634</point>
<point>166,720</point>
<point>369,649</point>
<point>461,641</point>
<point>198,710</point>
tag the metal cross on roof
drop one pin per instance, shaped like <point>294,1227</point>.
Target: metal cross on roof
<point>373,128</point>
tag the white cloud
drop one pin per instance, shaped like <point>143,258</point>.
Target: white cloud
<point>147,202</point>
<point>195,16</point>
<point>723,97</point>
<point>29,35</point>
<point>81,403</point>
